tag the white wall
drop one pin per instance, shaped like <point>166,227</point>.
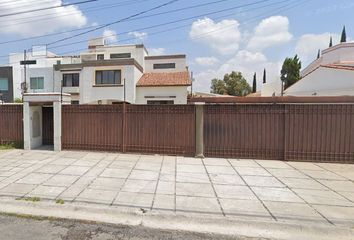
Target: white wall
<point>324,82</point>
<point>36,141</point>
<point>46,73</point>
<point>270,89</point>
<point>162,93</point>
<point>181,65</point>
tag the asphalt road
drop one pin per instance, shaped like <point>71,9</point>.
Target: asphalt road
<point>26,228</point>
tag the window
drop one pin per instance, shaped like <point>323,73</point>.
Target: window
<point>100,56</point>
<point>120,55</point>
<point>75,102</point>
<point>166,102</point>
<point>164,65</point>
<point>112,77</point>
<point>71,80</point>
<point>4,84</point>
<point>37,82</point>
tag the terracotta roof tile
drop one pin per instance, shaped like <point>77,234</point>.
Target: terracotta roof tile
<point>165,79</point>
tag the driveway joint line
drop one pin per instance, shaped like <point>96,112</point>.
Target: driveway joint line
<point>157,184</point>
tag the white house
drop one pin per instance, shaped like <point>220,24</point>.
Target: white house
<point>106,74</point>
<point>330,75</point>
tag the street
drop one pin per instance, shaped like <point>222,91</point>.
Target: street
<point>27,228</point>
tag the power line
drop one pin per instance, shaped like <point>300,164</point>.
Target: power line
<point>46,8</point>
<point>115,22</point>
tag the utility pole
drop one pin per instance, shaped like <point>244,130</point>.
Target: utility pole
<point>25,71</point>
<point>192,79</point>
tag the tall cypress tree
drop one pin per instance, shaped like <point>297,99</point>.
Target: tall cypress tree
<point>254,87</point>
<point>264,76</point>
<point>319,54</point>
<point>343,38</point>
<point>331,42</point>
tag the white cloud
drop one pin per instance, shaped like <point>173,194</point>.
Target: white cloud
<point>156,51</point>
<point>245,62</point>
<point>138,35</point>
<point>206,61</point>
<point>109,35</point>
<point>270,32</point>
<point>223,36</point>
<point>59,18</point>
<point>308,45</point>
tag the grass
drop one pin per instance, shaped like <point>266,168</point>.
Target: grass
<point>59,201</point>
<point>29,199</point>
<point>10,146</point>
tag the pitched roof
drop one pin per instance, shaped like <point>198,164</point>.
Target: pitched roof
<point>165,79</point>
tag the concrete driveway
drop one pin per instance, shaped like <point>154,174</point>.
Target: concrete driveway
<point>241,189</point>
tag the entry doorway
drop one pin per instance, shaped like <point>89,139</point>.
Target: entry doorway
<point>47,126</point>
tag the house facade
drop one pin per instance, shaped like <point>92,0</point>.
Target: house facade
<point>330,75</point>
<point>107,74</point>
<point>6,85</point>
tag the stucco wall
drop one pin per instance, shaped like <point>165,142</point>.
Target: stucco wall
<point>324,82</point>
<point>162,93</point>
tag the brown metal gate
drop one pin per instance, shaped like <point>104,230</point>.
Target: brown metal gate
<point>11,124</point>
<point>48,125</point>
<point>130,128</point>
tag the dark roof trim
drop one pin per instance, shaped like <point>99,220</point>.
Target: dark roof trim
<point>100,63</point>
<point>165,57</point>
<point>174,85</point>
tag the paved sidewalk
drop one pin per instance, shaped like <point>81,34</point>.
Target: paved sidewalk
<point>240,189</point>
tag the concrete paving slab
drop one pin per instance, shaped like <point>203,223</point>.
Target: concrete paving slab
<point>324,175</point>
<point>347,175</point>
<point>148,166</point>
<point>252,171</point>
<point>216,162</point>
<point>322,197</point>
<point>348,195</point>
<point>143,200</point>
<point>302,183</point>
<point>168,177</point>
<point>85,163</point>
<point>122,164</point>
<point>46,192</point>
<point>51,169</point>
<point>61,181</point>
<point>189,161</point>
<point>97,196</point>
<point>305,166</point>
<point>139,186</point>
<point>192,177</point>
<point>294,211</point>
<point>243,163</point>
<point>71,193</point>
<point>194,189</point>
<point>335,167</point>
<point>197,204</point>
<point>164,202</point>
<point>236,192</point>
<point>259,181</point>
<point>112,184</point>
<point>288,173</point>
<point>35,178</point>
<point>226,179</point>
<point>63,161</point>
<point>144,175</point>
<point>220,169</point>
<point>337,214</point>
<point>17,189</point>
<point>166,188</point>
<point>115,173</point>
<point>75,170</point>
<point>190,168</point>
<point>345,186</point>
<point>276,194</point>
<point>273,164</point>
<point>245,209</point>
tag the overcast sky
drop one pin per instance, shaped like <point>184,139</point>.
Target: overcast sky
<point>218,37</point>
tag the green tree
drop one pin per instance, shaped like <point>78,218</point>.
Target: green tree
<point>264,76</point>
<point>319,54</point>
<point>233,84</point>
<point>331,42</point>
<point>343,38</point>
<point>218,86</point>
<point>290,72</point>
<point>254,85</point>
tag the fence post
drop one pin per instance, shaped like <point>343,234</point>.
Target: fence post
<point>199,129</point>
<point>123,127</point>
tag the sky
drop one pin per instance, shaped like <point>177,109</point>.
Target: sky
<point>218,36</point>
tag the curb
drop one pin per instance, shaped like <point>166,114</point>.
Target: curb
<point>172,221</point>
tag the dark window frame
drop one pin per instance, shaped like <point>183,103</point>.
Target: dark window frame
<point>108,77</point>
<point>100,56</point>
<point>74,77</point>
<point>37,85</point>
<point>160,102</point>
<point>164,65</point>
<point>120,55</point>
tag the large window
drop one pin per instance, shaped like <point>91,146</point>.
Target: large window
<point>120,55</point>
<point>160,102</point>
<point>37,82</point>
<point>164,65</point>
<point>110,77</point>
<point>4,84</point>
<point>71,80</point>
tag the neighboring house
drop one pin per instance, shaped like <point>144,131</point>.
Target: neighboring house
<point>330,75</point>
<point>113,74</point>
<point>39,76</point>
<point>6,85</point>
